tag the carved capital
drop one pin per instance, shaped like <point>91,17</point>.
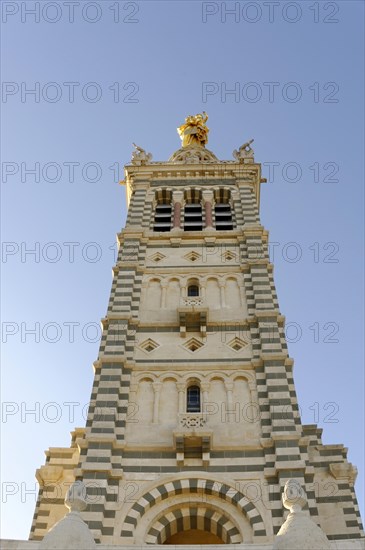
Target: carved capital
<point>157,387</point>
<point>343,471</point>
<point>48,474</point>
<point>178,197</point>
<point>204,386</point>
<point>207,196</point>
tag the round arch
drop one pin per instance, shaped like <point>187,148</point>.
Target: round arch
<point>146,377</point>
<point>192,376</point>
<point>224,493</point>
<point>193,516</point>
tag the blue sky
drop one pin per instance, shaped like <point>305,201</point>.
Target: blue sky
<point>126,72</point>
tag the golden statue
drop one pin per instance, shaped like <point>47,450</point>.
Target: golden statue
<point>194,131</point>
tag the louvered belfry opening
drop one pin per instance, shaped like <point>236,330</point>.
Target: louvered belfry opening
<point>223,210</point>
<point>193,211</point>
<point>163,211</point>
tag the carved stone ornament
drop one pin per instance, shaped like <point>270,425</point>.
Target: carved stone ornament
<point>71,532</point>
<point>75,499</point>
<point>343,471</point>
<point>244,152</point>
<point>298,532</point>
<point>49,474</point>
<point>140,156</point>
<point>192,420</point>
<point>294,497</point>
<point>193,155</point>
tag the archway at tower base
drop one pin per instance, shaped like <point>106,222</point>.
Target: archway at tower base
<point>193,523</point>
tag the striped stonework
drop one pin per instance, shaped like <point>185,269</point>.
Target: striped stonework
<point>163,196</point>
<point>249,206</point>
<point>195,306</point>
<point>222,195</point>
<point>193,517</point>
<point>137,206</point>
<point>193,195</point>
<point>192,487</point>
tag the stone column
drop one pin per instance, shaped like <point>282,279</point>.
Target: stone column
<point>181,391</point>
<point>163,294</point>
<point>202,288</point>
<point>254,414</point>
<point>204,387</point>
<point>222,285</point>
<point>144,290</point>
<point>177,199</point>
<point>242,294</point>
<point>156,402</point>
<point>208,205</point>
<point>229,390</point>
<point>253,392</point>
<point>132,402</point>
<point>183,295</point>
<point>230,408</point>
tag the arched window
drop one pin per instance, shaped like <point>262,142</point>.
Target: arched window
<point>193,290</point>
<point>193,399</point>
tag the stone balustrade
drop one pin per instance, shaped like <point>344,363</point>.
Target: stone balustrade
<point>192,301</point>
<point>192,420</point>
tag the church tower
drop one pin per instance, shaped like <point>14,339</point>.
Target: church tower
<point>193,428</point>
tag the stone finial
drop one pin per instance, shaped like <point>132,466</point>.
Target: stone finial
<point>294,496</point>
<point>140,156</point>
<point>245,153</point>
<point>298,532</point>
<point>71,532</point>
<point>75,497</point>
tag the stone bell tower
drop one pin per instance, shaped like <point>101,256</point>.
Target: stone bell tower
<point>193,427</point>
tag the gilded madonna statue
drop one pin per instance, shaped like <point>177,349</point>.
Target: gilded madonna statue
<point>194,131</point>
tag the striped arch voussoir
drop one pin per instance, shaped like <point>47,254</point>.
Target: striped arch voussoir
<point>194,486</point>
<point>193,517</point>
<point>163,196</point>
<point>222,195</point>
<point>192,195</point>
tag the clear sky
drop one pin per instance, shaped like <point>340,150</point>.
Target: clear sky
<point>105,74</point>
